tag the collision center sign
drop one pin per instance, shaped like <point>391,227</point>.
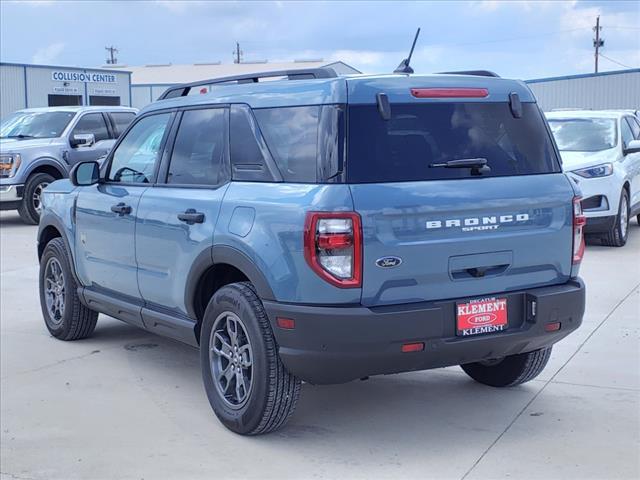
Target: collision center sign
<point>92,77</point>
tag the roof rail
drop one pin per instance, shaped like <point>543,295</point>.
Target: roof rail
<point>479,73</point>
<point>296,74</point>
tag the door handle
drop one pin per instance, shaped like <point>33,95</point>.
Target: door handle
<point>190,216</point>
<point>121,209</point>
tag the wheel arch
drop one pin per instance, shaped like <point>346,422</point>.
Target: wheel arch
<point>47,165</point>
<point>51,227</point>
<point>214,268</point>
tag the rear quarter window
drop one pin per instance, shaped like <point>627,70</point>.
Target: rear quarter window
<point>416,136</point>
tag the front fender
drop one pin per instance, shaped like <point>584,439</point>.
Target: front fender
<point>58,213</point>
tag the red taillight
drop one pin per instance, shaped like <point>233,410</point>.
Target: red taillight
<point>579,221</point>
<point>333,247</point>
<point>449,92</point>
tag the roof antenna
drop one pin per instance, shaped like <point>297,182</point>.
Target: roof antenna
<point>404,64</point>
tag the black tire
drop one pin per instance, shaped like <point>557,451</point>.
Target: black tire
<point>510,371</point>
<point>73,320</point>
<point>617,236</point>
<point>29,206</point>
<point>273,392</point>
<point>638,218</point>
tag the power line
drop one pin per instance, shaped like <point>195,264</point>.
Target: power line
<point>614,61</point>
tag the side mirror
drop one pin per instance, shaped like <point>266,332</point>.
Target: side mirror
<point>85,173</point>
<point>83,140</point>
<point>632,147</point>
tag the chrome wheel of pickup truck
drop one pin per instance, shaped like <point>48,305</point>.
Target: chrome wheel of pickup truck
<point>30,207</point>
<point>231,359</point>
<point>54,290</point>
<point>36,197</point>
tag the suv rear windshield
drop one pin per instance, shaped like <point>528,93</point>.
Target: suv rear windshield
<point>402,148</point>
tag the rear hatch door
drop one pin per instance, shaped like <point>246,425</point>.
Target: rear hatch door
<point>435,233</point>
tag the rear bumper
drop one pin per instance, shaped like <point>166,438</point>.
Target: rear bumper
<point>339,344</point>
<point>599,224</point>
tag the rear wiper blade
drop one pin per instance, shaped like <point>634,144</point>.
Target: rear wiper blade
<point>478,166</point>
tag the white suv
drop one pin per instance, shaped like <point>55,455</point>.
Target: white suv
<point>601,152</point>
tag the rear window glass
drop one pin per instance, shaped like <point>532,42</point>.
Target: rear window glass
<point>584,134</point>
<point>404,147</point>
<point>122,121</point>
<point>292,137</point>
<point>304,141</point>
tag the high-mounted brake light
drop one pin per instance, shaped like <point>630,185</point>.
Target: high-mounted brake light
<point>449,92</point>
<point>579,221</point>
<point>333,247</point>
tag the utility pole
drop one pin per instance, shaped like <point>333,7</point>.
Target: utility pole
<point>237,54</point>
<point>597,42</point>
<point>112,60</point>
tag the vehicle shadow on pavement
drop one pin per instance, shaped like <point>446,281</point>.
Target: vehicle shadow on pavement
<point>437,409</point>
<point>9,220</point>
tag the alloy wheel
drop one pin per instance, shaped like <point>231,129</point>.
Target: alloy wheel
<point>624,217</point>
<point>54,290</point>
<point>37,196</point>
<point>231,359</point>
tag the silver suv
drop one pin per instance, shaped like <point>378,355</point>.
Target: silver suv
<point>40,145</point>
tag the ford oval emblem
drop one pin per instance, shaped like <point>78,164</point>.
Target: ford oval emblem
<point>388,262</point>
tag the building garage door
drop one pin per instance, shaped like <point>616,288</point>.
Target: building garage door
<point>64,100</point>
<point>104,100</point>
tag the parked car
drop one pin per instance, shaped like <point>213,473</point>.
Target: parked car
<point>324,229</point>
<point>40,145</point>
<point>601,152</point>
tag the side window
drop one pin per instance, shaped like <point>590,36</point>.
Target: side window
<point>136,156</point>
<point>92,123</point>
<point>250,157</point>
<point>122,121</point>
<point>292,136</point>
<point>627,134</point>
<point>199,148</point>
<point>635,127</point>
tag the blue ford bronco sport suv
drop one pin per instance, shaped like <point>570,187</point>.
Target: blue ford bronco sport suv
<point>322,228</point>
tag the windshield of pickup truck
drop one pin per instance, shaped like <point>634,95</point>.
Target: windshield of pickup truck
<point>35,124</point>
<point>584,134</point>
<point>418,141</point>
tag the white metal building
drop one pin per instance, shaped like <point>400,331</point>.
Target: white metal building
<point>150,81</point>
<point>27,86</point>
<point>618,89</point>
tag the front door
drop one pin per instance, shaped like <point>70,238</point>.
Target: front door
<point>106,213</point>
<point>95,124</point>
<point>177,217</point>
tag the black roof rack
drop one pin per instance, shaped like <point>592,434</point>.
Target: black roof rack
<point>479,73</point>
<point>297,74</point>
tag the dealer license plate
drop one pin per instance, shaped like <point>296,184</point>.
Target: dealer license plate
<point>484,315</point>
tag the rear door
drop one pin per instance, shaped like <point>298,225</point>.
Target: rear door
<point>177,216</point>
<point>455,232</point>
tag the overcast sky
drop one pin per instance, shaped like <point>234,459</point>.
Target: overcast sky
<point>527,39</point>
